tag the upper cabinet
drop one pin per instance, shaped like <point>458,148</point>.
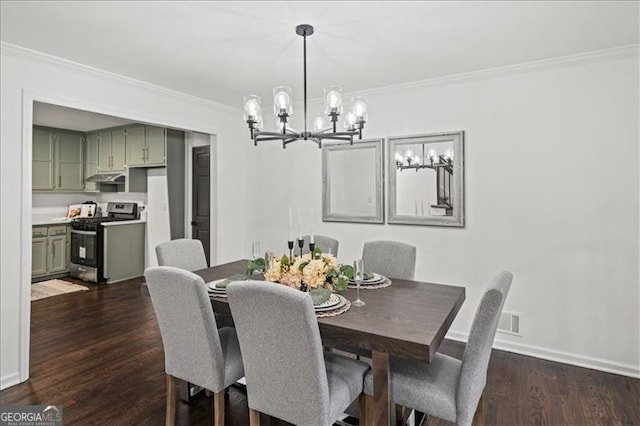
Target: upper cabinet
<point>146,146</point>
<point>111,151</point>
<point>63,160</point>
<point>57,160</point>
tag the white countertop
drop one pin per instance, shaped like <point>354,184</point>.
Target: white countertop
<point>123,222</point>
<point>48,220</point>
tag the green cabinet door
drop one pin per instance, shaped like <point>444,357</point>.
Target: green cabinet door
<point>91,160</point>
<point>57,254</point>
<point>156,146</point>
<point>118,150</point>
<point>38,256</point>
<point>42,160</point>
<point>104,152</point>
<point>69,161</point>
<point>136,147</point>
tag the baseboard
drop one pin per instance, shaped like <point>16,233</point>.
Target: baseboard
<point>9,380</point>
<point>558,356</point>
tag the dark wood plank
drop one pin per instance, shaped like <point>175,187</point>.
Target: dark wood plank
<point>98,353</point>
<point>381,402</point>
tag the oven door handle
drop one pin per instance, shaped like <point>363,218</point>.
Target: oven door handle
<point>76,231</point>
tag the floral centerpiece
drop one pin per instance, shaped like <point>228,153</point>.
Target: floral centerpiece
<point>308,272</point>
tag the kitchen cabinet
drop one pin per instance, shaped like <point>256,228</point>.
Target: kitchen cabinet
<point>123,250</point>
<point>146,146</point>
<point>49,251</point>
<point>112,151</point>
<point>91,160</point>
<point>57,160</point>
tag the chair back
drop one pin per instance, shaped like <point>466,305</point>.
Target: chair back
<point>183,253</point>
<point>475,360</point>
<point>192,350</point>
<point>281,351</point>
<point>325,244</point>
<point>390,258</point>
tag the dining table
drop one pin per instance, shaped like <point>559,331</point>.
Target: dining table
<point>408,319</point>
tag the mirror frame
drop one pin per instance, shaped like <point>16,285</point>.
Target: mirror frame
<point>327,214</point>
<point>458,217</point>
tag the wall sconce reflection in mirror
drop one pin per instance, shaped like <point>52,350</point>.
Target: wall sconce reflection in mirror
<point>434,194</point>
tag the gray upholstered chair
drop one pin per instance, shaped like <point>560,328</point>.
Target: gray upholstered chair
<point>183,253</point>
<point>447,387</point>
<point>288,375</point>
<point>194,349</point>
<point>390,258</point>
<point>325,243</point>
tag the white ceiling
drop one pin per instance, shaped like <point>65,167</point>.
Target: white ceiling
<point>224,50</point>
<point>73,119</point>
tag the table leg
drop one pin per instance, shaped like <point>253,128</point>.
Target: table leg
<point>381,400</point>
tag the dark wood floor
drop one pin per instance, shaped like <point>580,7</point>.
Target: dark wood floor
<point>98,354</point>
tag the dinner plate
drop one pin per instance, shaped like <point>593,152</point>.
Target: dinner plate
<point>211,286</point>
<point>377,279</point>
<point>338,305</point>
<point>332,301</point>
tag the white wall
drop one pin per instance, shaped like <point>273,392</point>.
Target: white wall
<point>27,75</point>
<point>552,188</point>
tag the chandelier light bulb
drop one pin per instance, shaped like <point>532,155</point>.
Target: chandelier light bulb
<point>350,120</point>
<point>433,155</point>
<point>416,160</point>
<point>333,100</point>
<point>318,123</point>
<point>399,157</point>
<point>448,154</point>
<point>282,100</point>
<point>360,108</point>
<point>409,154</point>
<point>252,108</point>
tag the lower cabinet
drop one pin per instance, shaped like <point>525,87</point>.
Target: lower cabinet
<point>49,251</point>
<point>123,250</point>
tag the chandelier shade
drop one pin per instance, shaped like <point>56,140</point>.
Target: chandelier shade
<point>323,130</point>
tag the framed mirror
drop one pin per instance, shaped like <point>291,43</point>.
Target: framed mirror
<point>352,182</point>
<point>426,179</point>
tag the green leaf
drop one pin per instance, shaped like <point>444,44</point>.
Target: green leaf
<point>340,284</point>
<point>347,271</point>
<point>316,253</point>
<point>260,263</point>
<point>302,265</point>
<point>319,295</point>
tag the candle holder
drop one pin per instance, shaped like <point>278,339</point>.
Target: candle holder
<point>290,244</point>
<point>312,247</point>
<point>300,245</point>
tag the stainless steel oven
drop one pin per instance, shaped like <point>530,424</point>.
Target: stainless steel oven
<point>87,245</point>
<point>85,255</point>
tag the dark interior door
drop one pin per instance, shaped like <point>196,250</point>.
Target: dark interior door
<point>200,222</point>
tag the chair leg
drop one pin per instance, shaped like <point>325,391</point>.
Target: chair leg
<point>400,421</point>
<point>171,402</point>
<point>366,406</point>
<point>478,417</point>
<point>254,417</point>
<point>218,408</point>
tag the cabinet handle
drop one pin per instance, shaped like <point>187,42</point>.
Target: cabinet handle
<point>59,181</point>
<point>53,251</point>
<point>144,156</point>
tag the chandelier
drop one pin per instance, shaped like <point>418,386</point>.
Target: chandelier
<point>432,160</point>
<point>354,119</point>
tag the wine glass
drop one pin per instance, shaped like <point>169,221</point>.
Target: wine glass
<point>358,270</point>
<point>255,251</point>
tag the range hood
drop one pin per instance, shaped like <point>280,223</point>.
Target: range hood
<point>112,178</point>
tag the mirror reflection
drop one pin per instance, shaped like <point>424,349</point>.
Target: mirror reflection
<point>425,178</point>
<point>352,182</point>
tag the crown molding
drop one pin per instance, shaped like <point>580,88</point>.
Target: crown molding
<point>628,51</point>
<point>9,49</point>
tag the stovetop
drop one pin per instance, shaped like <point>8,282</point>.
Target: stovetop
<point>92,223</point>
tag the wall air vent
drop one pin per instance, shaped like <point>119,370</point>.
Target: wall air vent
<point>509,323</point>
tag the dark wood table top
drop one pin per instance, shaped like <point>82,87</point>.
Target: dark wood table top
<point>408,319</point>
